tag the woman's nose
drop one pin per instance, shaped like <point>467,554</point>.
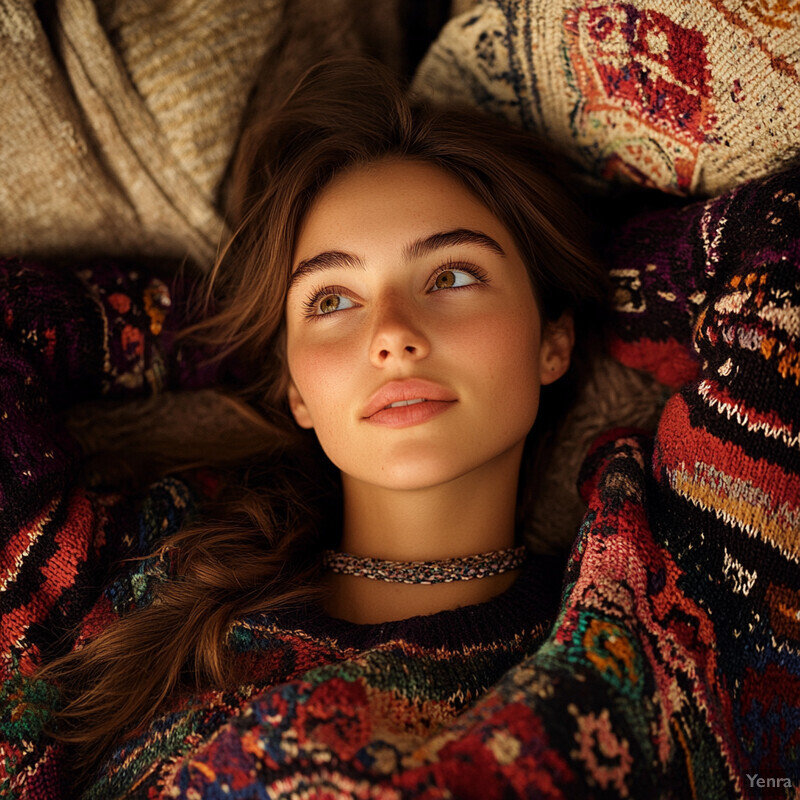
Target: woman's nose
<point>397,334</point>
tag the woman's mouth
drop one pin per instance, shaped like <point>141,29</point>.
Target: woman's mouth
<point>410,401</point>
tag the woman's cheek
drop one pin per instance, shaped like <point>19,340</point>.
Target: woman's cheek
<point>506,344</point>
<point>323,373</point>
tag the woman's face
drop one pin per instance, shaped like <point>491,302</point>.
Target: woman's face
<point>405,289</point>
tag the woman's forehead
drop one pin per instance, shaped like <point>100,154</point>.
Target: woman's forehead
<point>392,203</point>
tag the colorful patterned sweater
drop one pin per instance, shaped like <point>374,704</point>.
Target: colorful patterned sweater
<point>673,666</point>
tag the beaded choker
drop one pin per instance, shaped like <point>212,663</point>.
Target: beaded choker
<point>466,568</point>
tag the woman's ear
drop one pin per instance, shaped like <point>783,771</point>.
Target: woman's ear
<point>558,338</point>
<point>298,407</point>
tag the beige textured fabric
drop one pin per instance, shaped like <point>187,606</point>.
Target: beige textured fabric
<point>460,6</point>
<point>117,134</point>
<point>193,65</point>
<point>686,96</point>
<point>52,190</point>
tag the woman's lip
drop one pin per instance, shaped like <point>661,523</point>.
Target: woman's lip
<point>405,416</point>
<point>404,390</point>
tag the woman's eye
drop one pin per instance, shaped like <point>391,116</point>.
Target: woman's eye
<point>326,303</point>
<point>453,279</point>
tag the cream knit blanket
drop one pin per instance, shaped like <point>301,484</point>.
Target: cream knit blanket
<point>119,126</point>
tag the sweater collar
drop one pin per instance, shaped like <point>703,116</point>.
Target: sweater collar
<point>531,600</point>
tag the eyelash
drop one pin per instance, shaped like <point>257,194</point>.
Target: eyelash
<point>310,305</point>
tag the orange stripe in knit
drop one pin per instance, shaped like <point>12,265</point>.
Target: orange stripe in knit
<point>687,758</point>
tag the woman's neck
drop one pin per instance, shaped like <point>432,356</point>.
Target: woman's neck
<point>471,514</point>
<point>369,602</point>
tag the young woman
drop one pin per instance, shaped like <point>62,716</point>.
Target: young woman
<point>402,291</point>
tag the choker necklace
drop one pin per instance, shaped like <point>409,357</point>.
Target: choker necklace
<point>466,568</point>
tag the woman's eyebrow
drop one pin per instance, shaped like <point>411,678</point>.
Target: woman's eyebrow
<point>331,259</point>
<point>453,238</point>
<point>336,259</point>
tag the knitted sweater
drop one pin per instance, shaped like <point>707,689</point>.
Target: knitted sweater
<point>672,668</point>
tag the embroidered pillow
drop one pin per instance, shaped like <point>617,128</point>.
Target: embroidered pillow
<point>691,98</point>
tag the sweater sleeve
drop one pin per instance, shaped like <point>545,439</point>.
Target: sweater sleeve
<point>673,668</point>
<point>66,337</point>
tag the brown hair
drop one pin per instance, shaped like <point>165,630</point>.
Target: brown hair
<point>260,547</point>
